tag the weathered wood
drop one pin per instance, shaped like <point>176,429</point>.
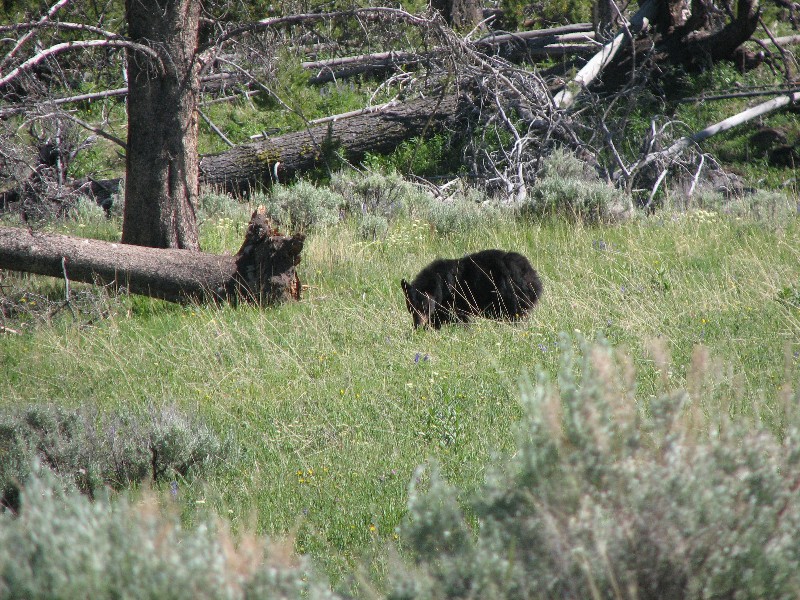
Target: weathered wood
<point>512,46</point>
<point>599,61</point>
<point>279,158</point>
<point>262,271</point>
<point>729,123</point>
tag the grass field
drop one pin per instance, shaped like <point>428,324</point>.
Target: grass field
<point>333,401</point>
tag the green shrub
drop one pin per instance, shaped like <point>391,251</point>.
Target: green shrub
<point>421,156</point>
<point>61,545</point>
<point>763,206</point>
<point>92,221</point>
<point>386,195</point>
<point>568,188</point>
<point>545,13</point>
<point>89,451</point>
<point>302,206</point>
<point>459,214</point>
<point>373,227</point>
<point>85,210</point>
<point>607,498</point>
<point>215,205</point>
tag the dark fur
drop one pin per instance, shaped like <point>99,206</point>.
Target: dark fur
<point>492,283</point>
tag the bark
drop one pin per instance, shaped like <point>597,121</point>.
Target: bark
<point>459,14</point>
<point>263,270</point>
<point>278,159</point>
<point>161,160</point>
<point>695,44</point>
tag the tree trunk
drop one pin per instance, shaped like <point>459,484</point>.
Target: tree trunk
<point>694,43</point>
<point>459,14</point>
<point>279,158</point>
<point>161,160</point>
<point>263,271</point>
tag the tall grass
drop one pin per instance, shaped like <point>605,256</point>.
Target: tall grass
<point>334,401</point>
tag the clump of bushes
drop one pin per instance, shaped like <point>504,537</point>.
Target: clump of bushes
<point>567,187</point>
<point>375,200</point>
<point>388,194</point>
<point>608,498</point>
<point>62,545</point>
<point>90,451</point>
<point>302,206</point>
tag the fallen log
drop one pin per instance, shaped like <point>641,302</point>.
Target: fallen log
<point>279,158</point>
<point>512,46</point>
<point>263,271</point>
<point>659,162</point>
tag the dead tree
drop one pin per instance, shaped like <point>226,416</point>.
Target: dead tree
<point>263,271</point>
<point>279,158</point>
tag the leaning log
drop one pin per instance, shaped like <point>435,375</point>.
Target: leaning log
<point>279,158</point>
<point>599,61</point>
<point>734,121</point>
<point>263,271</point>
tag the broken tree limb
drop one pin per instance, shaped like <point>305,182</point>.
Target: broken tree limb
<point>744,94</point>
<point>743,117</point>
<point>207,83</point>
<point>647,11</point>
<point>279,158</point>
<point>496,39</point>
<point>263,271</point>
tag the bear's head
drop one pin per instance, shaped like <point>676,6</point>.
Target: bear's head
<point>419,304</point>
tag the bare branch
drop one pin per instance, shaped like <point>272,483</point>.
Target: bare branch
<point>78,45</point>
<point>748,115</point>
<point>24,39</point>
<point>98,130</point>
<point>214,128</point>
<point>588,73</point>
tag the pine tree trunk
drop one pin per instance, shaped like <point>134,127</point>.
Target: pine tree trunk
<point>161,162</point>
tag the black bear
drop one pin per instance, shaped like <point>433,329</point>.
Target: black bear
<point>491,283</point>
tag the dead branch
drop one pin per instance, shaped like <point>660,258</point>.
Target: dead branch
<point>25,38</point>
<point>743,94</point>
<point>638,23</point>
<point>497,39</point>
<point>208,82</point>
<point>665,158</point>
<point>78,45</point>
<point>558,41</point>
